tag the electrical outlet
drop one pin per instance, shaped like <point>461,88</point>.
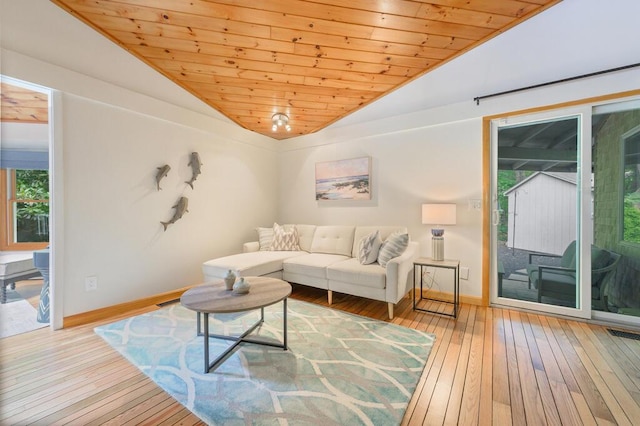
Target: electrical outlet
<point>475,204</point>
<point>464,273</point>
<point>91,283</point>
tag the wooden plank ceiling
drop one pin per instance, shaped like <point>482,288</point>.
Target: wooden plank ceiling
<point>315,61</point>
<point>21,105</point>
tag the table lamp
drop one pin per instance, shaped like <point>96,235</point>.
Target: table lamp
<point>438,215</point>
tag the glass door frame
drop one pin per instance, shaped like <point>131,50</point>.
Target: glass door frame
<point>583,209</point>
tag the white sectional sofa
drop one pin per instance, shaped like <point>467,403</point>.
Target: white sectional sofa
<point>326,258</point>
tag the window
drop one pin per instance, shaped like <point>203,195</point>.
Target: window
<point>25,209</point>
<point>631,187</point>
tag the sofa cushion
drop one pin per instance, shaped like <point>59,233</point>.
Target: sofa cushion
<point>392,247</point>
<point>333,240</point>
<point>313,264</point>
<point>248,264</point>
<point>352,271</point>
<point>284,239</point>
<point>368,248</point>
<point>305,236</point>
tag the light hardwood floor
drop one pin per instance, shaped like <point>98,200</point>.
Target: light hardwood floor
<point>491,366</point>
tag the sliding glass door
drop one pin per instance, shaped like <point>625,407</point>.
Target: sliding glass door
<point>616,222</point>
<point>565,226</point>
<point>541,212</point>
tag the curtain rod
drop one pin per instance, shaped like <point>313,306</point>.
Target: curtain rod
<point>564,80</point>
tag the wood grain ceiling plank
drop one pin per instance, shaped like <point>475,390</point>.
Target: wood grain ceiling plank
<point>273,36</point>
<point>197,71</point>
<point>261,120</point>
<point>290,103</point>
<point>177,10</point>
<point>232,56</point>
<point>513,8</point>
<point>301,114</point>
<point>179,34</point>
<point>309,98</point>
<point>276,87</point>
<point>463,16</point>
<point>23,115</point>
<point>251,77</point>
<point>306,50</point>
<point>303,54</point>
<point>363,17</point>
<point>351,43</point>
<point>22,105</point>
<point>143,14</point>
<point>396,7</point>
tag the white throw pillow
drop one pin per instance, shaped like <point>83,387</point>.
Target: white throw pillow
<point>369,247</point>
<point>283,239</point>
<point>265,238</point>
<point>392,247</point>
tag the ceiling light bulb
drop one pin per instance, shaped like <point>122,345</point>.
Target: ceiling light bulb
<point>274,128</point>
<point>288,128</point>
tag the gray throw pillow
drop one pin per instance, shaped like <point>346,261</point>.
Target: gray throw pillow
<point>392,247</point>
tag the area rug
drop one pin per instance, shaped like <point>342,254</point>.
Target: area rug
<point>17,316</point>
<point>340,369</point>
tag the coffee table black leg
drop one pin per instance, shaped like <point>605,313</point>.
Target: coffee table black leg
<point>206,340</point>
<point>285,324</point>
<point>237,340</point>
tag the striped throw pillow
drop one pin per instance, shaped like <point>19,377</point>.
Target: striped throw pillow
<point>392,247</point>
<point>265,238</point>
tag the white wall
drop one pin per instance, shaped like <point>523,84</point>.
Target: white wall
<point>113,210</point>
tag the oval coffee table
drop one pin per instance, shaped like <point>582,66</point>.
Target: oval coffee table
<point>214,298</point>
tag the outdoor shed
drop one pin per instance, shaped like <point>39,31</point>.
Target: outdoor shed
<point>542,212</point>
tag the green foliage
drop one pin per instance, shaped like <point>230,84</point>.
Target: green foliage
<point>32,217</point>
<point>632,218</point>
<point>32,184</point>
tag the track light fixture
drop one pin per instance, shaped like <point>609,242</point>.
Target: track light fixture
<point>280,120</point>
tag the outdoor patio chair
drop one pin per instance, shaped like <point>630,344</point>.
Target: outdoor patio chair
<point>559,282</point>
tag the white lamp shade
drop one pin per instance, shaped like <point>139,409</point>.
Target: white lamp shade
<point>439,214</point>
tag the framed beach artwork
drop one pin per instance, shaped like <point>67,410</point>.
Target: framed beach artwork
<point>344,179</point>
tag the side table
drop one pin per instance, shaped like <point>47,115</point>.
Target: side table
<point>418,268</point>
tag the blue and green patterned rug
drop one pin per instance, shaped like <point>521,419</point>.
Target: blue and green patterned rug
<point>340,368</point>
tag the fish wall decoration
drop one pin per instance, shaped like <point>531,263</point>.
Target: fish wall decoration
<point>161,173</point>
<point>181,208</point>
<point>195,163</point>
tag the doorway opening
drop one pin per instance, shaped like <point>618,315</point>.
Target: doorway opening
<point>24,204</point>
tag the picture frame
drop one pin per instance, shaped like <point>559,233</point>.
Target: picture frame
<point>348,179</point>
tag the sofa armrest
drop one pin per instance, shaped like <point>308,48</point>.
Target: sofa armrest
<point>250,247</point>
<point>400,273</point>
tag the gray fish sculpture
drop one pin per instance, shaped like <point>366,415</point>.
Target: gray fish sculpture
<point>181,209</point>
<point>195,163</point>
<point>162,172</point>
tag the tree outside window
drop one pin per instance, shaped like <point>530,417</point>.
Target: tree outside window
<point>631,191</point>
<point>26,224</point>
